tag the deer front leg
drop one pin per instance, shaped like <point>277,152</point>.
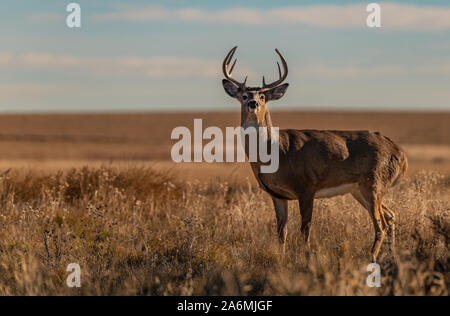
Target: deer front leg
<point>281,210</point>
<point>306,203</point>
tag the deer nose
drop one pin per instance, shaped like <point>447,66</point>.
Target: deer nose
<point>252,104</point>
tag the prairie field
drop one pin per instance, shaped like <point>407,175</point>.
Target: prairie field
<point>100,190</point>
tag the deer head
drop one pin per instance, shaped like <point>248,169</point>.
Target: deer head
<point>254,100</point>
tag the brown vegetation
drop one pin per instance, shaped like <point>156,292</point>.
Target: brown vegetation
<point>141,231</point>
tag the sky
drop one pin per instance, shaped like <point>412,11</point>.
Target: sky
<point>166,55</point>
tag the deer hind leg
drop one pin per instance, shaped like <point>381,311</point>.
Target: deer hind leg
<point>367,198</point>
<point>391,226</point>
<point>281,210</point>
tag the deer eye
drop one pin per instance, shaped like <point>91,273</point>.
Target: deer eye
<point>244,97</point>
<point>262,96</point>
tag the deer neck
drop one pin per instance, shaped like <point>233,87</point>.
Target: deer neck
<point>257,121</point>
<point>262,124</point>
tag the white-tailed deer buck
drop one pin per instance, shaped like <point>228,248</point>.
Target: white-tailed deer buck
<point>317,164</point>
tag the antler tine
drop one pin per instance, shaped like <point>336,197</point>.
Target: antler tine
<point>232,67</point>
<point>230,55</point>
<point>226,63</point>
<point>282,76</point>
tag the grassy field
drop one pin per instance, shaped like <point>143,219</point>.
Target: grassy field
<point>100,191</point>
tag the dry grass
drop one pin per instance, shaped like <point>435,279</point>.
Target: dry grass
<point>145,232</point>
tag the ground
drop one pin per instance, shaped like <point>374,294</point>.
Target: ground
<point>100,191</point>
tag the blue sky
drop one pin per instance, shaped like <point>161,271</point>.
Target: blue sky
<point>166,55</point>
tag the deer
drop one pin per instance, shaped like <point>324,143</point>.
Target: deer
<point>317,164</point>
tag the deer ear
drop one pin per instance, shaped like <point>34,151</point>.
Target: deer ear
<point>277,92</point>
<point>230,88</point>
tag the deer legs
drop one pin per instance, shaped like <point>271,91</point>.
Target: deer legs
<point>383,219</point>
<point>306,204</point>
<point>281,210</point>
<point>306,209</point>
<point>390,220</point>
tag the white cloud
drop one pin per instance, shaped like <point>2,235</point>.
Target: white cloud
<point>174,67</point>
<point>33,90</point>
<point>328,71</point>
<point>395,16</point>
<point>153,67</point>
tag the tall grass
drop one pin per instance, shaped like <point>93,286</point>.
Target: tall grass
<point>138,231</point>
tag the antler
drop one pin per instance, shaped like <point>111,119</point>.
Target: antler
<point>226,63</point>
<point>282,76</point>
